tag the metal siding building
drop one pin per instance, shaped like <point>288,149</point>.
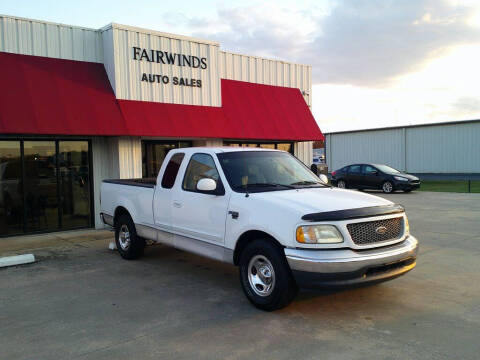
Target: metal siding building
<point>442,148</point>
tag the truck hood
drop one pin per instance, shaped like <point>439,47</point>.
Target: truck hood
<point>309,200</point>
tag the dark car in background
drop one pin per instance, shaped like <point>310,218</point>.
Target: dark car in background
<point>374,176</point>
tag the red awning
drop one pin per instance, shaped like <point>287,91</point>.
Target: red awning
<point>54,96</point>
<point>268,112</point>
<point>65,97</point>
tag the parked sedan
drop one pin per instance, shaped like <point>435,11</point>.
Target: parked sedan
<point>374,176</point>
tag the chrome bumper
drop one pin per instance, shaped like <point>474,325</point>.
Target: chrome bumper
<point>312,268</point>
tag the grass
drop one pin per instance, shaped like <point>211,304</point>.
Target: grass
<point>459,186</point>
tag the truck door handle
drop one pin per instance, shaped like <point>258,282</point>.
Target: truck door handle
<point>177,204</point>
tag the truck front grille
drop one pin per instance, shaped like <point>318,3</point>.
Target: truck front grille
<point>370,232</point>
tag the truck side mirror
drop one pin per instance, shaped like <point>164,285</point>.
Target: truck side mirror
<point>206,184</point>
<point>324,178</point>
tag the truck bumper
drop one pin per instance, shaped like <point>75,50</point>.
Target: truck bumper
<point>332,268</point>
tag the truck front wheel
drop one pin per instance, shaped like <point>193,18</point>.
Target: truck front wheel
<point>265,276</point>
<point>129,244</point>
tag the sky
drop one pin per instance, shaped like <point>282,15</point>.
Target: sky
<point>375,63</point>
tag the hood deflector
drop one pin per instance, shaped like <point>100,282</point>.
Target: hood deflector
<point>355,213</point>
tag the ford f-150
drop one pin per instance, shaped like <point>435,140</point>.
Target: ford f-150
<point>266,212</point>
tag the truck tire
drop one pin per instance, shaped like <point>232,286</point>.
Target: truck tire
<point>129,244</point>
<point>265,276</point>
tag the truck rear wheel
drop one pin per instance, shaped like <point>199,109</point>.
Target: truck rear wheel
<point>129,244</point>
<point>265,276</point>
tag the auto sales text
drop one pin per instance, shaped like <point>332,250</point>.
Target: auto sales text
<point>164,79</point>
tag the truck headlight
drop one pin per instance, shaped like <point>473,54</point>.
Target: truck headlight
<point>399,178</point>
<point>319,234</point>
<point>407,226</point>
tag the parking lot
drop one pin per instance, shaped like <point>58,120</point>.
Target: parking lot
<point>84,302</point>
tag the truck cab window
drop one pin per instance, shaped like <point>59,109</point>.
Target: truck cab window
<point>171,170</point>
<point>200,166</point>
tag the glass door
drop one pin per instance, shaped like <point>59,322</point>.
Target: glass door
<point>73,162</point>
<point>44,186</point>
<point>41,200</point>
<point>11,193</point>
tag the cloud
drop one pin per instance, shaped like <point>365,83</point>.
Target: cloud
<point>361,42</point>
<point>370,43</point>
<point>467,104</point>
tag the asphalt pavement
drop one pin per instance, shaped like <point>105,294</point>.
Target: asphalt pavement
<point>82,301</point>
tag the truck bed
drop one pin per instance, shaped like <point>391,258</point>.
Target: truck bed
<point>146,182</point>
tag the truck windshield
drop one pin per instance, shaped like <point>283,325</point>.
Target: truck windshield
<point>257,171</point>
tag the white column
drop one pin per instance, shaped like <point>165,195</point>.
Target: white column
<point>304,152</point>
<point>130,157</point>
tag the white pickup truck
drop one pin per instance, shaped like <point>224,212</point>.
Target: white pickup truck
<point>266,212</point>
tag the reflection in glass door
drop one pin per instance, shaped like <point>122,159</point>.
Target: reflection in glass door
<point>44,186</point>
<point>11,194</point>
<point>74,184</point>
<point>41,203</point>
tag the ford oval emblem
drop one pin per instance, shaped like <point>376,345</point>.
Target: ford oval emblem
<point>381,230</point>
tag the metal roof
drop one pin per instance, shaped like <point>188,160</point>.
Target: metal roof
<point>456,122</point>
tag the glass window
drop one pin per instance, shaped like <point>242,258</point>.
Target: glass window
<point>354,169</point>
<point>73,162</point>
<point>171,170</point>
<point>288,147</point>
<point>11,194</point>
<point>257,171</point>
<point>280,146</point>
<point>41,200</point>
<point>267,146</point>
<point>154,152</point>
<point>367,170</point>
<point>200,166</point>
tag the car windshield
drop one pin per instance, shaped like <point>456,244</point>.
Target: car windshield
<point>256,171</point>
<point>387,169</point>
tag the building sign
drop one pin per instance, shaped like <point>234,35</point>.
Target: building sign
<point>165,57</point>
<point>151,66</point>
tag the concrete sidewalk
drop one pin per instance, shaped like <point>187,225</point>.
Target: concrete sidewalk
<point>28,243</point>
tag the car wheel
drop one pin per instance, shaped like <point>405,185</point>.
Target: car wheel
<point>387,187</point>
<point>407,190</point>
<point>129,244</point>
<point>265,276</point>
<point>341,184</point>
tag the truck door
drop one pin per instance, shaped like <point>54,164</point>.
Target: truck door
<point>162,201</point>
<point>195,215</point>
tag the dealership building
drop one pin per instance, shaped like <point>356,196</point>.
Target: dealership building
<point>82,105</point>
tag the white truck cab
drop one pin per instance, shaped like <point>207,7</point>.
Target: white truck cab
<point>266,212</point>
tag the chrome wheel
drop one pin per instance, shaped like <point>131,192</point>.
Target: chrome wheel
<point>124,237</point>
<point>341,184</point>
<point>261,275</point>
<point>387,187</point>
